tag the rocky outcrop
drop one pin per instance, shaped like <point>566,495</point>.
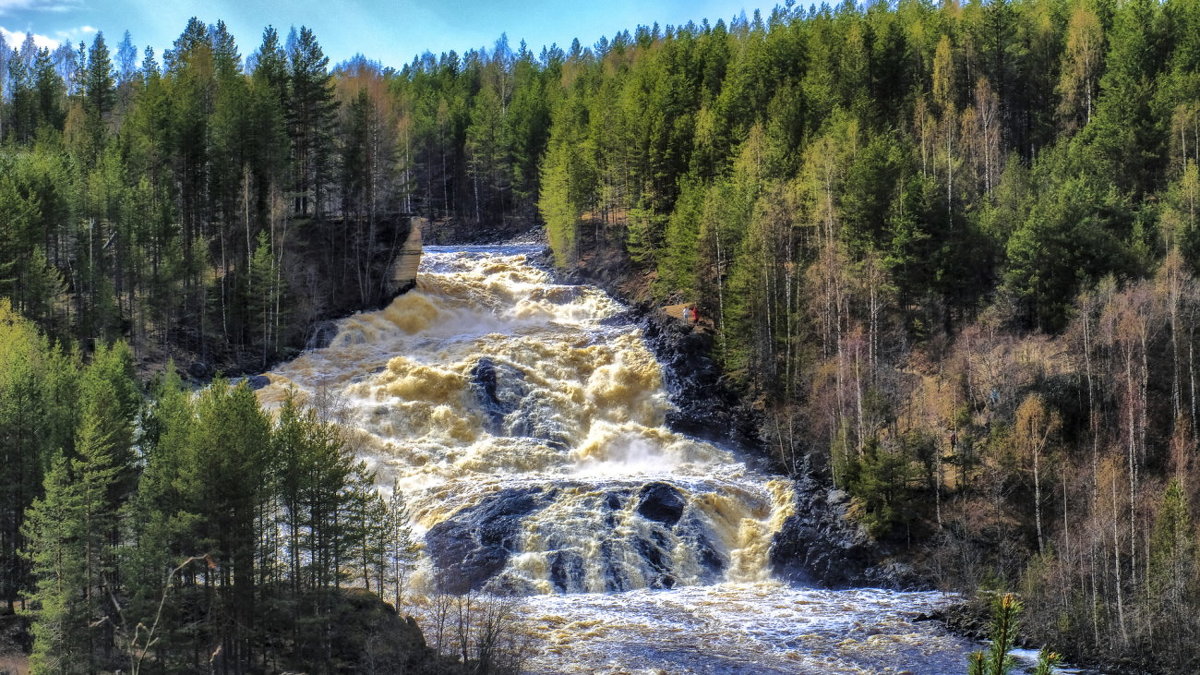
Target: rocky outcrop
<point>472,548</point>
<point>321,334</point>
<point>705,406</point>
<point>499,390</point>
<point>820,545</point>
<point>368,632</point>
<point>509,408</point>
<point>473,545</point>
<point>360,633</point>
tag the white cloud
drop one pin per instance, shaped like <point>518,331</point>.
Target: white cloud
<point>14,38</point>
<point>71,34</point>
<point>9,6</point>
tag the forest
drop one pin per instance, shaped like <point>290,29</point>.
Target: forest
<point>948,251</point>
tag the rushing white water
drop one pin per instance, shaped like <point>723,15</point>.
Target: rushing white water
<point>525,423</point>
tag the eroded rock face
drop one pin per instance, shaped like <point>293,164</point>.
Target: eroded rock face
<point>499,390</point>
<point>472,549</point>
<point>819,545</point>
<point>705,407</point>
<point>509,407</point>
<point>474,544</point>
<point>321,334</point>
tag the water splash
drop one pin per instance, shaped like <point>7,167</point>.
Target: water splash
<point>527,428</point>
<point>488,378</point>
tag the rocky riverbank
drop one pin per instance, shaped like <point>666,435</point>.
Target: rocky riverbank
<point>819,545</point>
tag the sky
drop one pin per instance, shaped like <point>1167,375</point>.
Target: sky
<point>389,31</point>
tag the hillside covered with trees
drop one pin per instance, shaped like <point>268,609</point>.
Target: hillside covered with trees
<point>948,251</point>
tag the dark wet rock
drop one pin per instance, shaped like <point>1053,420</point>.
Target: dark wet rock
<point>625,318</point>
<point>613,502</point>
<point>657,557</point>
<point>499,390</point>
<point>821,545</point>
<point>700,537</point>
<point>257,382</point>
<point>510,409</point>
<point>321,334</point>
<point>662,503</point>
<point>199,370</point>
<point>474,544</point>
<point>567,571</point>
<point>558,295</point>
<point>705,406</point>
<point>616,578</point>
<point>510,585</point>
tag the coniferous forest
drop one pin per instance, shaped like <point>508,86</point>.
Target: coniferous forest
<point>948,252</point>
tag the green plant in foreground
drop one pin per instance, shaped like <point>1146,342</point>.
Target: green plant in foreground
<point>997,660</point>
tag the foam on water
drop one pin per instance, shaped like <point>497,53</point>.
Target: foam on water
<point>489,382</point>
<point>762,627</point>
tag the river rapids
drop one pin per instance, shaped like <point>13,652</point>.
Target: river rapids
<point>525,423</point>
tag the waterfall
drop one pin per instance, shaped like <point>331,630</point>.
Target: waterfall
<point>524,421</point>
<point>526,424</point>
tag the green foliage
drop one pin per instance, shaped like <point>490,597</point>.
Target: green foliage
<point>1006,614</point>
<point>566,193</point>
<point>1072,236</point>
<point>882,481</point>
<point>61,639</point>
<point>37,421</point>
<point>679,267</point>
<point>72,548</point>
<point>1006,610</point>
<point>841,190</point>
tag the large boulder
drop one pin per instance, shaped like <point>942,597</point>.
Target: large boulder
<point>661,503</point>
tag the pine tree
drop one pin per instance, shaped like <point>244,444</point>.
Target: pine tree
<point>401,547</point>
<point>60,631</point>
<point>31,418</point>
<point>310,120</point>
<point>73,550</point>
<point>226,473</point>
<point>1006,610</point>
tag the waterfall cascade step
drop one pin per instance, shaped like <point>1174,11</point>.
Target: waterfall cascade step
<point>525,422</point>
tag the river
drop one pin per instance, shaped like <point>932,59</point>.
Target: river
<point>525,423</point>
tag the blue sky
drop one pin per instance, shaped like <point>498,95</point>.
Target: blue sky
<point>389,31</point>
